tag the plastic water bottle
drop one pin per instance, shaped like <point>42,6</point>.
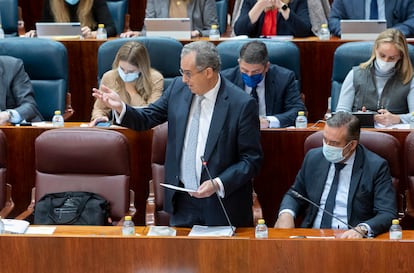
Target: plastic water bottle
<point>412,121</point>
<point>57,120</point>
<point>128,228</point>
<point>214,33</point>
<point>261,231</point>
<point>1,226</point>
<point>395,230</point>
<point>101,32</point>
<point>324,33</point>
<point>1,32</point>
<point>301,120</point>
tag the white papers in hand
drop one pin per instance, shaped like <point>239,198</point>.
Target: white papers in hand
<point>198,230</point>
<point>176,188</point>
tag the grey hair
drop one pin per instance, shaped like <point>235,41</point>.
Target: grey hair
<point>206,55</point>
<point>254,52</point>
<point>346,119</point>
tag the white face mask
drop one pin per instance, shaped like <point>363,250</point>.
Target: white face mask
<point>127,77</point>
<point>72,2</point>
<point>333,154</point>
<point>384,66</point>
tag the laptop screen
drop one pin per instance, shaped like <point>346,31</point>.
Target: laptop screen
<point>53,30</point>
<point>178,28</point>
<point>362,29</point>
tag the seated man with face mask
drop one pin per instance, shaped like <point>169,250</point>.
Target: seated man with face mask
<point>274,87</point>
<point>132,78</point>
<point>345,179</point>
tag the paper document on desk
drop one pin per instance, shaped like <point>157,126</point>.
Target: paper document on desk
<point>15,226</point>
<point>176,188</point>
<point>161,231</point>
<point>198,230</point>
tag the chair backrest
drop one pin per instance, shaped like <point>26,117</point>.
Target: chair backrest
<point>3,169</point>
<point>164,54</point>
<point>159,145</point>
<point>347,56</point>
<point>409,168</point>
<point>283,53</point>
<point>84,159</point>
<point>384,145</point>
<point>9,16</point>
<point>118,10</point>
<point>46,63</point>
<point>222,6</point>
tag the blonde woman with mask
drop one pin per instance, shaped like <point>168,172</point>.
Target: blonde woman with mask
<point>89,13</point>
<point>132,78</point>
<point>263,18</point>
<point>383,84</point>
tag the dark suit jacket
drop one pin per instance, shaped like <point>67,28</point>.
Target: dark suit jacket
<point>233,149</point>
<point>282,95</point>
<point>16,91</point>
<point>398,13</point>
<point>297,25</point>
<point>371,196</point>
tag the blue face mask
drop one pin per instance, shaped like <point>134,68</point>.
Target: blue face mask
<point>333,154</point>
<point>127,77</point>
<point>253,80</point>
<point>72,2</point>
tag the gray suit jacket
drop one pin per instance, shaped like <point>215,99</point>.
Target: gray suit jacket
<point>203,13</point>
<point>398,13</point>
<point>371,196</point>
<point>16,91</point>
<point>233,149</point>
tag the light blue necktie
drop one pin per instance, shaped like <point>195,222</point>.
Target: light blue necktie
<point>189,177</point>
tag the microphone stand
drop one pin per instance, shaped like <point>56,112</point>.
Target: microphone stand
<point>300,196</point>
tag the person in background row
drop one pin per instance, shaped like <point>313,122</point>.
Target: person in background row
<point>383,84</point>
<point>132,78</point>
<point>202,13</point>
<point>208,117</point>
<point>273,17</point>
<point>89,13</point>
<point>17,102</point>
<point>318,13</point>
<point>275,87</point>
<point>345,179</point>
<point>399,14</point>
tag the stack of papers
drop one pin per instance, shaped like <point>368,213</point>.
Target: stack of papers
<point>15,226</point>
<point>212,231</point>
<point>161,231</point>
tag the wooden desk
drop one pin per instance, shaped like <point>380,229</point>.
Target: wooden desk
<point>21,164</point>
<point>102,249</point>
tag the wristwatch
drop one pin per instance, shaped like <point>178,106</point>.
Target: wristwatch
<point>284,7</point>
<point>363,229</point>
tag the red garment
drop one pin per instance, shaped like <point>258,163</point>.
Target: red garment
<point>270,23</point>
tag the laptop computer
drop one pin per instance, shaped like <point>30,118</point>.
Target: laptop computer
<point>366,119</point>
<point>362,29</point>
<point>178,28</point>
<point>55,30</point>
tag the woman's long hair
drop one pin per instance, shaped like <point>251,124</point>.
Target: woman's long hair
<point>84,12</point>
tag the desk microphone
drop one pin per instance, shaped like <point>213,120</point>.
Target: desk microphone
<point>218,196</point>
<point>300,196</point>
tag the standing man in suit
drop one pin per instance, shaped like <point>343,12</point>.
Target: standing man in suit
<point>399,14</point>
<point>17,101</point>
<point>275,87</point>
<point>228,137</point>
<point>346,179</point>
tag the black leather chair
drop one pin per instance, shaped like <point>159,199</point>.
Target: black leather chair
<point>118,10</point>
<point>9,17</point>
<point>164,54</point>
<point>46,63</point>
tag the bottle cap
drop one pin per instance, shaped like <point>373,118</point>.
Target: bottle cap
<point>395,222</point>
<point>57,112</point>
<point>261,221</point>
<point>101,25</point>
<point>128,218</point>
<point>301,113</point>
<point>214,26</point>
<point>324,25</point>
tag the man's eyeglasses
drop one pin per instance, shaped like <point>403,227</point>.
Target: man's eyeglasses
<point>188,73</point>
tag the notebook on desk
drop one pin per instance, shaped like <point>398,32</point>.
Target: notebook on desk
<point>178,28</point>
<point>362,29</point>
<point>54,30</point>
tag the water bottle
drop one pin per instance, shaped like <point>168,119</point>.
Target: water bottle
<point>324,33</point>
<point>128,228</point>
<point>261,231</point>
<point>395,230</point>
<point>412,121</point>
<point>57,120</point>
<point>101,32</point>
<point>301,120</point>
<point>214,33</point>
<point>2,231</point>
<point>1,32</point>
